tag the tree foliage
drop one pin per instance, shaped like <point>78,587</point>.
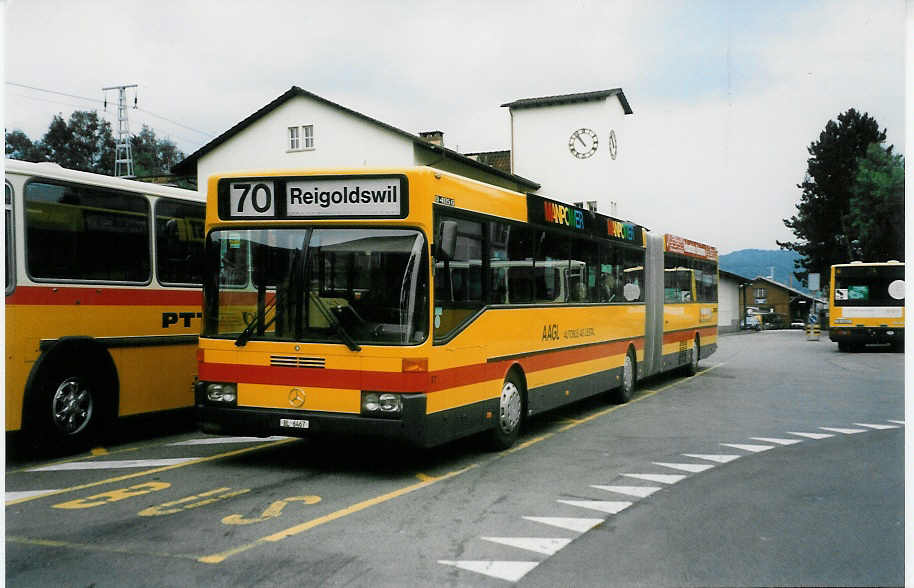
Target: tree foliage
<point>85,142</point>
<point>822,225</point>
<point>876,215</point>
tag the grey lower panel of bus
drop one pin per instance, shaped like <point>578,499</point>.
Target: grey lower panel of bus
<point>653,293</point>
<point>543,398</point>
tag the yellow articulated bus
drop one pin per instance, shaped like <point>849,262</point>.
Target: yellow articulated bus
<point>866,304</point>
<point>103,300</point>
<point>419,305</point>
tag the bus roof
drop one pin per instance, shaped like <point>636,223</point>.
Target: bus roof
<point>54,171</point>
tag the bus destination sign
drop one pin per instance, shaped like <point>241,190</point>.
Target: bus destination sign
<point>313,197</point>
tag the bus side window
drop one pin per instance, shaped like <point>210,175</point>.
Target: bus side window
<point>463,273</point>
<point>10,258</point>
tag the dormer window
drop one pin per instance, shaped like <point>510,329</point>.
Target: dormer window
<point>301,138</point>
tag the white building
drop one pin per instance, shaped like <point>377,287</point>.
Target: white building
<point>572,144</point>
<point>300,130</point>
<point>731,290</point>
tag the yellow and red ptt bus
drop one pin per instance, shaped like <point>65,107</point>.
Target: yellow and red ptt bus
<point>424,306</point>
<point>866,304</point>
<point>103,300</point>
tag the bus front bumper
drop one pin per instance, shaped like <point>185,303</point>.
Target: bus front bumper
<point>264,422</point>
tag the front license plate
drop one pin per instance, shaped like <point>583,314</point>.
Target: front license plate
<point>294,423</point>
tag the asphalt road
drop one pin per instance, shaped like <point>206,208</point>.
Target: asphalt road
<point>781,463</point>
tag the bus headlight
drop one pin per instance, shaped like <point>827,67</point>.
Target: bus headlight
<point>221,393</point>
<point>381,404</point>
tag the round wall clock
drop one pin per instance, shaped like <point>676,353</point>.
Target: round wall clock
<point>583,143</point>
<point>613,144</point>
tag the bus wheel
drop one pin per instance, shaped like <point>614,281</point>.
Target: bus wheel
<point>68,411</point>
<point>510,413</point>
<point>626,389</point>
<point>692,367</point>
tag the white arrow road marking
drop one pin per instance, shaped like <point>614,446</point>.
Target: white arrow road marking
<point>662,478</point>
<point>717,458</point>
<point>844,431</point>
<point>877,427</point>
<point>896,422</point>
<point>10,496</point>
<point>777,441</point>
<point>639,491</point>
<point>601,505</point>
<point>112,464</point>
<point>812,435</point>
<point>511,571</point>
<point>686,467</point>
<point>569,523</point>
<point>544,545</point>
<point>220,440</point>
<point>752,448</point>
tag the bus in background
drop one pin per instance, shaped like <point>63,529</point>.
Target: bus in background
<point>419,305</point>
<point>866,304</point>
<point>103,300</point>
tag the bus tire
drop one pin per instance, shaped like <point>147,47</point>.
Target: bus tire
<point>510,413</point>
<point>691,368</point>
<point>70,405</point>
<point>626,390</point>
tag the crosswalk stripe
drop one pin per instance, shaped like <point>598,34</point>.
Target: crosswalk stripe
<point>610,507</point>
<point>639,491</point>
<point>544,545</point>
<point>569,523</point>
<point>686,467</point>
<point>111,464</point>
<point>751,448</point>
<point>877,427</point>
<point>811,435</point>
<point>776,440</point>
<point>716,457</point>
<point>662,478</point>
<point>844,431</point>
<point>512,571</point>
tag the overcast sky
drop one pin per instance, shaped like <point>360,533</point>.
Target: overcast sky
<point>726,96</point>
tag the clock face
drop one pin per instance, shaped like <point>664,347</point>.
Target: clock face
<point>583,143</point>
<point>613,144</point>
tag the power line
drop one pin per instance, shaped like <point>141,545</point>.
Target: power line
<point>105,103</point>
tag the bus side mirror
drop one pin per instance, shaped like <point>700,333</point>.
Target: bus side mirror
<point>447,240</point>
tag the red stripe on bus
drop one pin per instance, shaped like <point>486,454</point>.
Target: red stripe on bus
<point>405,382</point>
<point>101,296</point>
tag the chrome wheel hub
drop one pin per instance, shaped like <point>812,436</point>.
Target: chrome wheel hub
<point>71,406</point>
<point>509,408</point>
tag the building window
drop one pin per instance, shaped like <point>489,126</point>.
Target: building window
<point>301,138</point>
<point>293,139</point>
<point>308,132</point>
<point>761,292</point>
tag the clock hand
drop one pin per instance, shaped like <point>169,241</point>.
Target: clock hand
<point>581,140</point>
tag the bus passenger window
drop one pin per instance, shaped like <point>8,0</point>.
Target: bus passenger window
<point>459,281</point>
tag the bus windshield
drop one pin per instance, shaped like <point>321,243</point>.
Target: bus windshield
<point>875,285</point>
<point>349,285</point>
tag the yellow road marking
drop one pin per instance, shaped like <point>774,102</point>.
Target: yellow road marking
<point>152,471</point>
<point>301,528</point>
<point>92,547</point>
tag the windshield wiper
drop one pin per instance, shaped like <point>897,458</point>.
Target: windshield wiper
<point>248,331</point>
<point>337,325</point>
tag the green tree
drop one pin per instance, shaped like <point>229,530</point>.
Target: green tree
<point>876,215</point>
<point>20,146</point>
<point>84,142</point>
<point>151,155</point>
<point>824,236</point>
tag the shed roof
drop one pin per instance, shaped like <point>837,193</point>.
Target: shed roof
<point>187,165</point>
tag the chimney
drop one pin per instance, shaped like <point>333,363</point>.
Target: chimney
<point>433,137</point>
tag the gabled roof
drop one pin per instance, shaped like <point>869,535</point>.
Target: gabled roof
<point>789,288</point>
<point>187,166</point>
<point>571,98</point>
<point>735,277</point>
